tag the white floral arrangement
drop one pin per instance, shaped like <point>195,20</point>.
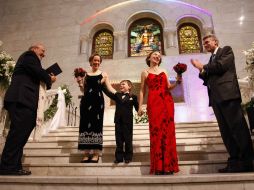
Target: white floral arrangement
<point>141,119</point>
<point>7,65</point>
<point>249,55</point>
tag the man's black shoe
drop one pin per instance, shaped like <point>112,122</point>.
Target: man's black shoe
<point>223,170</point>
<point>117,161</point>
<point>15,172</point>
<point>127,161</point>
<point>238,169</point>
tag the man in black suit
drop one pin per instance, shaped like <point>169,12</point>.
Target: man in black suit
<point>124,121</point>
<point>220,77</point>
<point>21,102</point>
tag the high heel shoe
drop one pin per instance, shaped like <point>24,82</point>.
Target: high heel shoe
<point>158,173</point>
<point>169,173</point>
<point>94,159</point>
<point>86,159</point>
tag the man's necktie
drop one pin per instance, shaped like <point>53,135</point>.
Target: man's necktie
<point>212,57</point>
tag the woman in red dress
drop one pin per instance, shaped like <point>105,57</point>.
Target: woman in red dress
<point>160,110</point>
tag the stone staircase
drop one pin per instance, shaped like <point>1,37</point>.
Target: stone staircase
<point>55,162</point>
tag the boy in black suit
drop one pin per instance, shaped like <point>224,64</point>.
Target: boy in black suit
<point>124,120</point>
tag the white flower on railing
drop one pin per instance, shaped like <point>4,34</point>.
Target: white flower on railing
<point>7,65</point>
<point>63,89</point>
<point>249,55</point>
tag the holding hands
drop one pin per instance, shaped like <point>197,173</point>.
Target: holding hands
<point>140,112</point>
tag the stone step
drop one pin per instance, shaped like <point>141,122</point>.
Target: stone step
<point>237,181</point>
<point>135,137</point>
<point>178,125</point>
<point>141,142</point>
<point>142,127</point>
<point>51,148</point>
<point>135,134</point>
<point>111,169</point>
<point>109,157</point>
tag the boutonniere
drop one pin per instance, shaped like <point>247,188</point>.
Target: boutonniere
<point>131,98</point>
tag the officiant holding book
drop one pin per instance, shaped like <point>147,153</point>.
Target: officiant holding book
<point>21,102</point>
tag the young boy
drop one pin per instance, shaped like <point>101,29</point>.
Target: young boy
<point>124,121</point>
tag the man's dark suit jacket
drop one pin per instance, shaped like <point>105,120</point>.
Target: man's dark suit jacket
<point>24,87</point>
<point>124,107</point>
<point>220,76</point>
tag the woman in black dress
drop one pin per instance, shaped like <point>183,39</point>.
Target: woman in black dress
<point>92,110</point>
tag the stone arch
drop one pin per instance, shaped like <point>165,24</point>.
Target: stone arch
<point>190,19</point>
<point>195,28</point>
<point>144,16</point>
<point>100,26</point>
<point>86,39</point>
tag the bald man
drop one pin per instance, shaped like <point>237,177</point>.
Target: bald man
<point>21,102</point>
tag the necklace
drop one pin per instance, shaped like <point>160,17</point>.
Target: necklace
<point>155,69</point>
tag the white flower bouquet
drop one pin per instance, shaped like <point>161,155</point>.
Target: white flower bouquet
<point>249,55</point>
<point>7,65</point>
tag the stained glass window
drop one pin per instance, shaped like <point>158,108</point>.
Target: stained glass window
<point>189,39</point>
<point>145,36</point>
<point>103,43</point>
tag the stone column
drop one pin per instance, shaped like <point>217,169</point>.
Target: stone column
<point>84,46</point>
<point>120,45</point>
<point>170,43</point>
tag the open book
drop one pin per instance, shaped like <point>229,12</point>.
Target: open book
<point>55,69</point>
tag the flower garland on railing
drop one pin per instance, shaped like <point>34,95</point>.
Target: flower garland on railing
<point>7,65</point>
<point>249,54</point>
<point>51,111</point>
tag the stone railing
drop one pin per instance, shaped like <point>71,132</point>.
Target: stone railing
<point>45,100</point>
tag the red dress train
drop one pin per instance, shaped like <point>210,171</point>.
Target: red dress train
<point>160,110</point>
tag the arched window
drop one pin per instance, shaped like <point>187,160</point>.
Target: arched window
<point>144,36</point>
<point>189,38</point>
<point>103,43</point>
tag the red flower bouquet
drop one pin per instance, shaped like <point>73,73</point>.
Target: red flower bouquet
<point>79,72</point>
<point>180,68</point>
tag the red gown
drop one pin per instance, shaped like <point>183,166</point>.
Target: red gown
<point>160,110</point>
